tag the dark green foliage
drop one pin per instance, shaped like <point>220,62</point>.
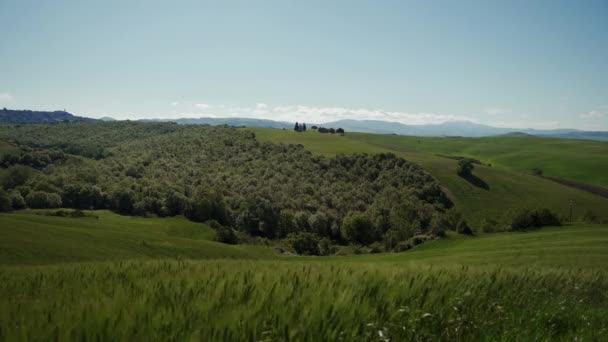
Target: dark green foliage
<point>465,167</point>
<point>526,218</point>
<point>223,234</point>
<point>225,174</point>
<point>340,131</point>
<point>489,226</point>
<point>305,243</point>
<point>41,199</point>
<point>17,200</point>
<point>357,228</point>
<point>537,172</point>
<point>590,217</point>
<point>463,228</point>
<point>5,201</point>
<point>403,246</point>
<point>376,247</point>
<point>17,175</point>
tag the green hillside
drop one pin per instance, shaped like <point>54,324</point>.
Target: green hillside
<point>581,160</point>
<point>507,189</point>
<point>32,238</point>
<point>506,286</point>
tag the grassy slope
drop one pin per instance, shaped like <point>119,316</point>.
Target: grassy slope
<point>573,247</point>
<point>26,238</point>
<point>508,189</point>
<point>499,287</point>
<point>582,160</point>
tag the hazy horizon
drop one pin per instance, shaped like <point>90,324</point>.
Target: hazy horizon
<point>516,64</point>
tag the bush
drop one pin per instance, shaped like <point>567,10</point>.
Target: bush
<point>77,213</point>
<point>376,247</point>
<point>225,235</point>
<point>403,246</point>
<point>17,201</point>
<point>325,247</point>
<point>537,172</point>
<point>533,218</point>
<point>489,226</point>
<point>304,243</point>
<point>465,167</point>
<point>419,239</point>
<point>590,217</point>
<point>463,228</point>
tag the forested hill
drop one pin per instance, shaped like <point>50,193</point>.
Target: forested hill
<point>31,116</point>
<point>223,174</point>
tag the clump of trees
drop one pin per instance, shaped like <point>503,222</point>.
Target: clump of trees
<point>300,127</point>
<point>525,218</point>
<point>465,168</point>
<point>224,174</point>
<point>330,130</point>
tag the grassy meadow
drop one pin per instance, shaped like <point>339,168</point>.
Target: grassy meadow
<point>30,237</point>
<point>581,160</point>
<point>544,284</point>
<point>507,189</point>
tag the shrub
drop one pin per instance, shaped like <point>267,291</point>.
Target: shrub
<point>590,217</point>
<point>225,235</point>
<point>464,228</point>
<point>17,201</point>
<point>489,225</point>
<point>77,213</point>
<point>325,247</point>
<point>419,239</point>
<point>530,218</point>
<point>304,243</point>
<point>376,247</point>
<point>537,172</point>
<point>465,167</point>
<point>403,246</point>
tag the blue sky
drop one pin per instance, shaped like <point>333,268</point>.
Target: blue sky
<point>541,64</point>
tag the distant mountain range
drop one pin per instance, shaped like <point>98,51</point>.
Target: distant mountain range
<point>458,128</point>
<point>31,116</point>
<point>227,121</point>
<point>452,128</point>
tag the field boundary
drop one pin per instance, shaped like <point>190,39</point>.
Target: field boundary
<point>594,189</point>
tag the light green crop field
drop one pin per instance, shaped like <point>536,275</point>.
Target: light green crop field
<point>507,189</point>
<point>548,284</point>
<point>581,160</point>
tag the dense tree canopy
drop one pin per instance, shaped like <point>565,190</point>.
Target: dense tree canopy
<point>224,174</point>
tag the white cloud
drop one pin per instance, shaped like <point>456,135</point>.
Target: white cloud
<point>202,106</point>
<point>527,124</point>
<point>497,111</point>
<point>327,114</point>
<point>6,97</point>
<point>594,114</point>
<point>174,104</point>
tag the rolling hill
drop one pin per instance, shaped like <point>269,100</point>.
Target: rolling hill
<point>508,189</point>
<point>31,116</point>
<point>31,237</point>
<point>581,160</point>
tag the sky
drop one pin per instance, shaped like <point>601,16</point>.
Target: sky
<point>532,63</point>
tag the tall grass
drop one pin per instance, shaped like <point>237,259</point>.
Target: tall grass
<point>277,300</point>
